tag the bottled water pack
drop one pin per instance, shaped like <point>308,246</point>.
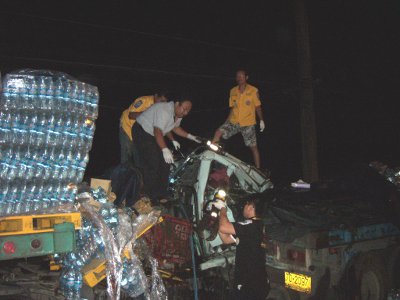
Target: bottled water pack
<point>71,283</point>
<point>47,123</point>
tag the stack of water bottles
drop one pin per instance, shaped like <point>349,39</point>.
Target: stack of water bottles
<point>47,122</point>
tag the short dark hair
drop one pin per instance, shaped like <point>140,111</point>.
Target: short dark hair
<point>244,72</point>
<point>183,97</point>
<point>258,202</point>
<point>162,93</point>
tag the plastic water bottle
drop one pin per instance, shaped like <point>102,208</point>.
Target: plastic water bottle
<point>58,94</point>
<point>68,123</point>
<point>42,89</point>
<point>86,252</point>
<point>94,99</point>
<point>32,96</point>
<point>24,93</point>
<point>80,96</point>
<point>5,119</point>
<point>72,95</point>
<point>10,93</point>
<point>50,93</point>
<point>71,283</point>
<point>66,95</point>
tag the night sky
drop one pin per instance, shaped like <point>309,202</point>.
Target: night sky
<point>129,48</point>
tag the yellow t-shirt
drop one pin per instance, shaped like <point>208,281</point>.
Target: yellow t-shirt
<point>244,105</point>
<point>139,105</point>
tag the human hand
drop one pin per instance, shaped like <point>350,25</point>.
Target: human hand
<point>262,126</point>
<point>169,159</point>
<point>193,138</point>
<point>219,204</point>
<point>177,146</point>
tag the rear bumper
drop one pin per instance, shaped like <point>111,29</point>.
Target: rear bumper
<point>60,240</point>
<point>277,277</point>
<point>320,280</point>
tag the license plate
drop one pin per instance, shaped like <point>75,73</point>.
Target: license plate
<point>298,282</point>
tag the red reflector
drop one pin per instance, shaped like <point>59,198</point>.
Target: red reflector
<point>297,256</point>
<point>9,247</point>
<point>333,251</point>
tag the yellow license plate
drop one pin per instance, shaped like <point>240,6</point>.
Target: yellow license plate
<point>298,282</point>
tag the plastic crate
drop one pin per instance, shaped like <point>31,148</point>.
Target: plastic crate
<point>169,240</point>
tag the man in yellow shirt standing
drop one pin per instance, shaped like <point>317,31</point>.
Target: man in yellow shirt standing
<point>244,102</point>
<point>128,118</point>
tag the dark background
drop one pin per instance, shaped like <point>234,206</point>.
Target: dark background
<point>130,48</point>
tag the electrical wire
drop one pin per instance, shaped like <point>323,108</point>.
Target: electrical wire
<point>150,34</point>
<point>116,67</point>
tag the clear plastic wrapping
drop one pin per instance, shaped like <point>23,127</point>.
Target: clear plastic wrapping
<point>134,280</point>
<point>158,291</point>
<point>112,234</point>
<point>111,250</point>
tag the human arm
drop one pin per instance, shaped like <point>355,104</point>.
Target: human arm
<point>134,114</point>
<point>259,111</point>
<point>170,136</point>
<point>137,107</point>
<point>226,238</point>
<point>260,116</point>
<point>158,135</point>
<point>226,228</point>
<point>167,154</point>
<point>182,133</point>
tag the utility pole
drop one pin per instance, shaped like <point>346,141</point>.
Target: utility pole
<point>308,130</point>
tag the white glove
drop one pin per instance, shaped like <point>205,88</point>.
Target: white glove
<point>262,126</point>
<point>169,159</point>
<point>219,204</point>
<point>177,146</point>
<point>193,138</point>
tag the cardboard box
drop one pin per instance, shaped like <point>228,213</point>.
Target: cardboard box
<point>103,183</point>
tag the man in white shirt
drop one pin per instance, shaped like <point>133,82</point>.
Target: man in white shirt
<point>154,157</point>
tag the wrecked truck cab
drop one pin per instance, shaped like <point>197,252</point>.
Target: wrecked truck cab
<point>340,238</point>
<point>196,180</point>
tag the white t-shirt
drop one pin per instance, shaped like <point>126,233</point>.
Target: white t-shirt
<point>160,115</point>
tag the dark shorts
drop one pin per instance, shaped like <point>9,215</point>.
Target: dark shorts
<point>248,132</point>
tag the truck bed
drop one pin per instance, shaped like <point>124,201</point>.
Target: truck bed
<point>359,198</point>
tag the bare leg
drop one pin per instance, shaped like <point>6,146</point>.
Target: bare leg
<point>217,136</point>
<point>256,156</point>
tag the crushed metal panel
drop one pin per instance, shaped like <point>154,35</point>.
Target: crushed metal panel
<point>219,261</point>
<point>249,177</point>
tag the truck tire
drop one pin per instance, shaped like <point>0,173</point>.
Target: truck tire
<point>393,265</point>
<point>372,278</point>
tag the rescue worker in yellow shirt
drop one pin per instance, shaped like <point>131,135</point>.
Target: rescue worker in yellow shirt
<point>128,118</point>
<point>244,102</point>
